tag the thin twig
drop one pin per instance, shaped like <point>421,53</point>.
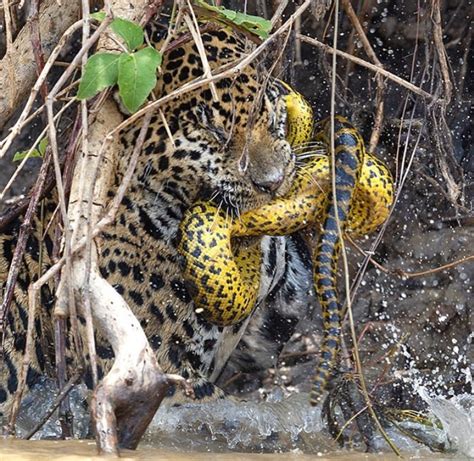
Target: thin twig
<point>89,197</point>
<point>66,231</point>
<point>35,35</point>
<point>9,37</point>
<point>61,374</point>
<point>151,9</point>
<point>395,78</point>
<point>65,304</point>
<point>25,230</point>
<point>441,51</point>
<point>16,129</point>
<point>193,27</point>
<point>172,31</point>
<point>379,96</point>
<point>298,56</point>
<point>361,33</point>
<point>167,128</point>
<point>439,129</point>
<point>404,274</point>
<point>13,3</point>
<point>30,150</point>
<point>8,24</point>
<point>276,18</point>
<point>20,123</point>
<point>349,421</point>
<point>42,107</point>
<point>465,64</point>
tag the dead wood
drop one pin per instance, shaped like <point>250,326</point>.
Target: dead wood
<point>18,66</point>
<point>126,400</point>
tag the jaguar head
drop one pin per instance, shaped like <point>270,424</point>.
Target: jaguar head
<point>254,161</point>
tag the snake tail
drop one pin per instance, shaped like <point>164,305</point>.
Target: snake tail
<point>349,158</point>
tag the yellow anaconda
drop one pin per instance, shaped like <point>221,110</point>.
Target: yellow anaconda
<point>224,281</point>
<point>300,115</point>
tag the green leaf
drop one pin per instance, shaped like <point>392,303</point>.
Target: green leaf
<point>43,144</point>
<point>137,76</point>
<point>19,156</point>
<point>129,32</point>
<point>98,15</point>
<point>101,71</point>
<point>255,24</point>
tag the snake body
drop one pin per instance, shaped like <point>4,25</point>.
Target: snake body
<point>300,115</point>
<point>349,156</point>
<point>223,276</point>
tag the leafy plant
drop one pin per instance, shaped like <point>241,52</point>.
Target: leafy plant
<point>134,70</point>
<point>255,24</point>
<point>43,144</point>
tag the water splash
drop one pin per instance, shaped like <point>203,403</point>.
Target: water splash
<point>276,424</point>
<point>457,418</point>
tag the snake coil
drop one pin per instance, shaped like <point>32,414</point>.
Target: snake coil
<point>223,278</point>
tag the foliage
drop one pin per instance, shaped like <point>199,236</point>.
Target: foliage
<point>255,24</point>
<point>43,144</point>
<point>133,70</point>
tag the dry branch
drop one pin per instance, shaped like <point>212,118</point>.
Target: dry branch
<point>18,66</point>
<point>57,401</point>
<point>127,398</point>
<point>441,134</point>
<point>21,243</point>
<point>395,78</point>
<point>379,98</point>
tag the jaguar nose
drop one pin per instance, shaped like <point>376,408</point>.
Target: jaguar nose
<point>270,181</point>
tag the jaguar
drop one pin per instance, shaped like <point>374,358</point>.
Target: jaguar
<point>231,149</point>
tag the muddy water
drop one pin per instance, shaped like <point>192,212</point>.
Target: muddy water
<point>19,450</point>
<point>210,431</point>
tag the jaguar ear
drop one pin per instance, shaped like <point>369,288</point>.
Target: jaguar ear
<point>206,120</point>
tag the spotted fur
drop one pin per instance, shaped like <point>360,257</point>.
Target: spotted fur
<point>232,151</point>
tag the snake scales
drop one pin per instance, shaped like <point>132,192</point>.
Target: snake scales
<point>223,278</point>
